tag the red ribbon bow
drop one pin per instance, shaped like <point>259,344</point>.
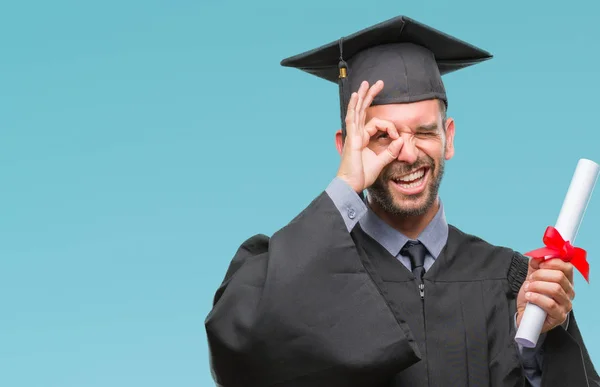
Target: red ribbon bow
<point>557,247</point>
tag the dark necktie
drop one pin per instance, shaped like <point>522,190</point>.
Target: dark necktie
<point>416,251</point>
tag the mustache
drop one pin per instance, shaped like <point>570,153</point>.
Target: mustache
<point>398,168</point>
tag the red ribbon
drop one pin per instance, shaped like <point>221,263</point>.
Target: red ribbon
<point>557,247</point>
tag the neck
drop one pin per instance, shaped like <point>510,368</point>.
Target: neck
<point>412,225</point>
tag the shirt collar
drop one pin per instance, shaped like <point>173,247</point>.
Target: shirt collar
<point>434,236</point>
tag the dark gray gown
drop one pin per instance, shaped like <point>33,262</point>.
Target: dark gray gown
<point>317,306</point>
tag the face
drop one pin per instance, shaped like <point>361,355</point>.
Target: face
<point>409,185</point>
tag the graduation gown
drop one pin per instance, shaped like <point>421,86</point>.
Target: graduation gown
<point>315,305</point>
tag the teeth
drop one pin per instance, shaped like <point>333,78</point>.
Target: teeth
<point>415,175</point>
<point>411,185</point>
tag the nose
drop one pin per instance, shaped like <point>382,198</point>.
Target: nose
<point>409,152</point>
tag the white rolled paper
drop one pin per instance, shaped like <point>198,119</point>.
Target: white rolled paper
<point>569,220</point>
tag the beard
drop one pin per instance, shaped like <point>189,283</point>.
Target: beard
<point>405,206</point>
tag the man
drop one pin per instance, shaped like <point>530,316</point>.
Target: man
<point>381,291</point>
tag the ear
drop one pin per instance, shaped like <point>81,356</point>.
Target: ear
<point>450,130</point>
<point>339,142</point>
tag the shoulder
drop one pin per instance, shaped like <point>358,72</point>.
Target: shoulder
<point>501,259</point>
<point>249,250</point>
<point>470,243</point>
<point>254,245</point>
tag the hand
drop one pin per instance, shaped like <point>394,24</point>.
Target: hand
<point>549,285</point>
<point>360,166</point>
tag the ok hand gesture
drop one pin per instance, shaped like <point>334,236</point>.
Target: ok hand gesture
<point>360,165</point>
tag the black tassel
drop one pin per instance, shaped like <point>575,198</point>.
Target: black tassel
<point>343,87</point>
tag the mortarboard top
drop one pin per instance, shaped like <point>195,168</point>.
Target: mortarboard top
<point>408,56</point>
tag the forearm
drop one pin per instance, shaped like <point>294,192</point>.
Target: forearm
<point>349,204</point>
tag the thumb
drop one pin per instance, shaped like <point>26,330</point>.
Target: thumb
<point>534,265</point>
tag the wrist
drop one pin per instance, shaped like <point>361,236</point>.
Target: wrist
<point>352,184</point>
<point>518,317</point>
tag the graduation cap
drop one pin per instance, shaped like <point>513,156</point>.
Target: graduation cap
<point>408,56</point>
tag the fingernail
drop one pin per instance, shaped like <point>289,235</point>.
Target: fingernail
<point>526,285</point>
<point>528,295</point>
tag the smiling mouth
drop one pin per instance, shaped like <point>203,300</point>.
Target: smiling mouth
<point>412,182</point>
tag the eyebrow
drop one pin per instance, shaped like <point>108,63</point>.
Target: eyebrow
<point>427,128</point>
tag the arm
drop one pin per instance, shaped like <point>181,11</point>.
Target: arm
<point>561,357</point>
<point>299,309</point>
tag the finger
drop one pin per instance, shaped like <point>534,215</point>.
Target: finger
<point>376,124</point>
<point>559,264</point>
<point>390,153</point>
<point>549,305</point>
<point>550,275</point>
<point>552,290</point>
<point>362,91</point>
<point>554,276</point>
<point>534,263</point>
<point>350,114</point>
<point>395,147</point>
<point>373,91</point>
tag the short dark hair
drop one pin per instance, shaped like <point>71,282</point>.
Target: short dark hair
<point>443,112</point>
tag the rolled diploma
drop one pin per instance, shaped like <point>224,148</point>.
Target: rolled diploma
<point>569,220</point>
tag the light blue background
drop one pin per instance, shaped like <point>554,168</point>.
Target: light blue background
<point>142,141</point>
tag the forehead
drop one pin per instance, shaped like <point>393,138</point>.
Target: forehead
<point>407,114</point>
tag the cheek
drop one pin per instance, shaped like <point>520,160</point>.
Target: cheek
<point>432,148</point>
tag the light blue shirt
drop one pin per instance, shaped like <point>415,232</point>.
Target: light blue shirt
<point>354,210</point>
